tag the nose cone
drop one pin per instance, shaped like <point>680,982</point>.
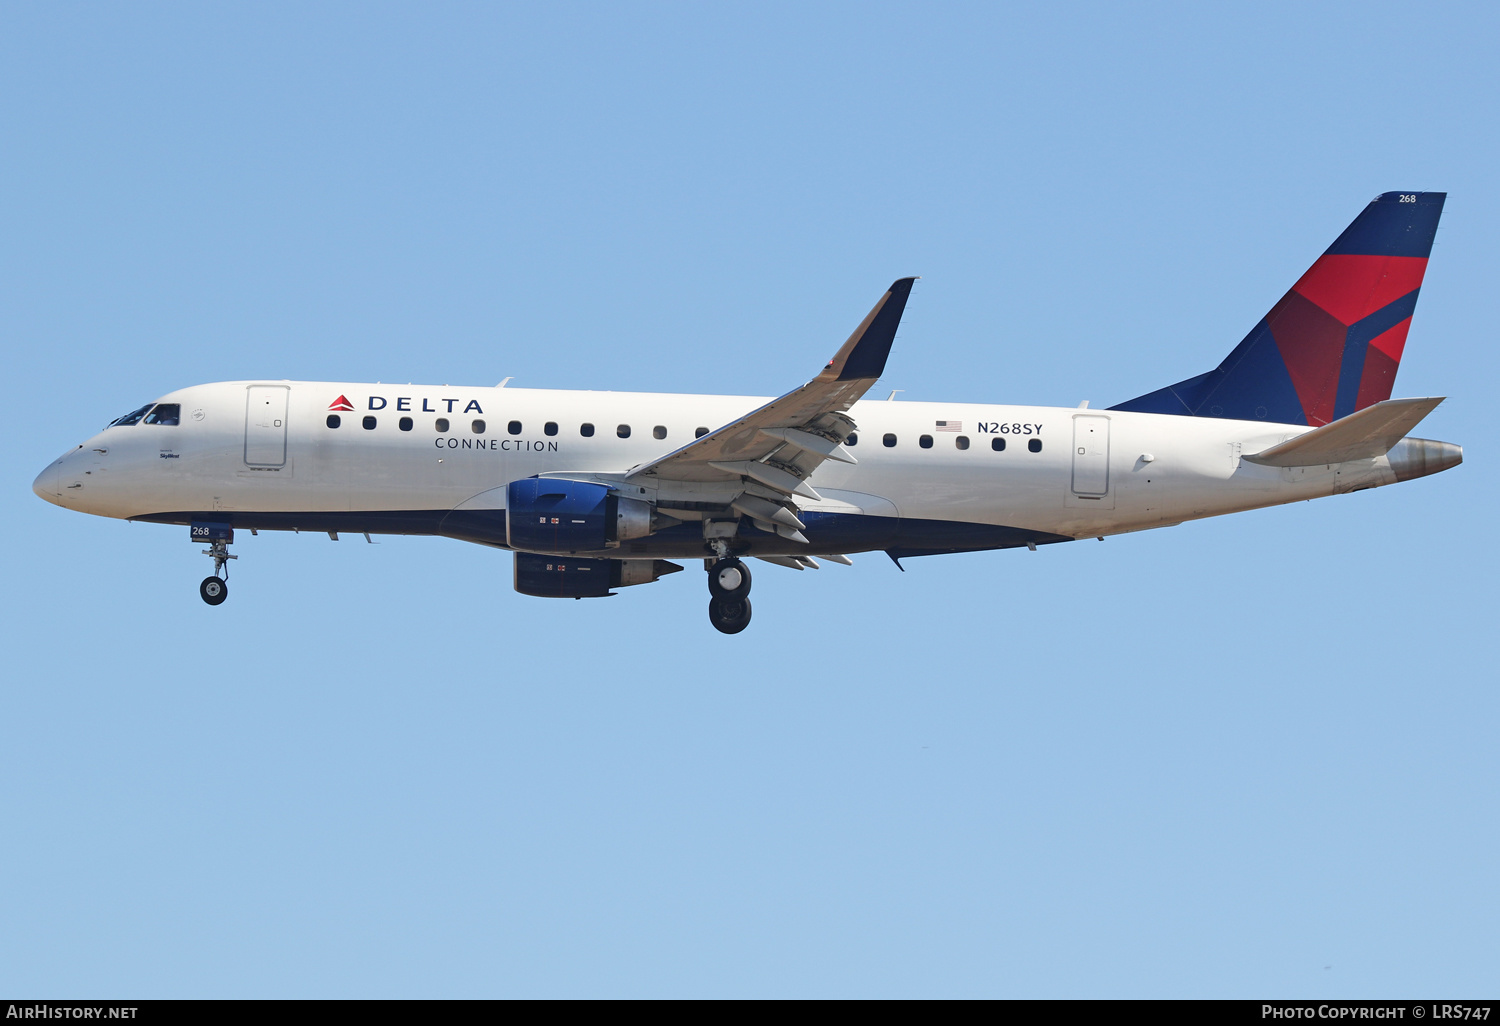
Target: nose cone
<point>1418,457</point>
<point>48,483</point>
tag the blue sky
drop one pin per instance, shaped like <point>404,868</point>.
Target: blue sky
<point>1244,757</point>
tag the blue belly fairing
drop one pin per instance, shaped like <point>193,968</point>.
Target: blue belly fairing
<point>827,533</point>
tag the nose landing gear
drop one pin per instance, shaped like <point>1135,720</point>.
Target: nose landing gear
<point>729,586</point>
<point>215,589</point>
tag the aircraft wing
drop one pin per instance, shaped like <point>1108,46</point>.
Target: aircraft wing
<point>779,445</point>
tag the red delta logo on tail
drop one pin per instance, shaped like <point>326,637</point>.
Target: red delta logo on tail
<point>341,403</point>
<point>1332,345</point>
<point>1344,349</point>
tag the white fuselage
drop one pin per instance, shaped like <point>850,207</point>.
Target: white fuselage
<point>262,454</point>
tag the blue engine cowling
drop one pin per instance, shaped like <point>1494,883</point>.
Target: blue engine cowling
<point>553,515</point>
<point>567,577</point>
<point>548,515</point>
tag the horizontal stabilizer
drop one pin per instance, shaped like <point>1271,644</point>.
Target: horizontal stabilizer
<point>1360,436</point>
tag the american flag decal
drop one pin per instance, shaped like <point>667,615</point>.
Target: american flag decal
<point>950,425</point>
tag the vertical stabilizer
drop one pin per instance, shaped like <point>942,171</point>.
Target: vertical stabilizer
<point>1333,344</point>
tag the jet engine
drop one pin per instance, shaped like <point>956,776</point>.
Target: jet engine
<point>562,577</point>
<point>552,515</point>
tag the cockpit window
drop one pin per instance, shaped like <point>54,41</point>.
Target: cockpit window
<point>133,417</point>
<point>166,414</point>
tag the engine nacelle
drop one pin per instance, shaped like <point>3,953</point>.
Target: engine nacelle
<point>553,515</point>
<point>562,577</point>
<point>634,518</point>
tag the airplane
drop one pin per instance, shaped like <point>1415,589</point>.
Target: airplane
<point>595,491</point>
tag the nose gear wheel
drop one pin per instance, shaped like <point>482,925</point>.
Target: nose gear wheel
<point>213,590</point>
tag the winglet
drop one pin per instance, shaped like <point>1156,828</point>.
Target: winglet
<point>863,356</point>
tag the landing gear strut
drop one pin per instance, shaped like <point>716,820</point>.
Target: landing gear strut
<point>215,589</point>
<point>729,584</point>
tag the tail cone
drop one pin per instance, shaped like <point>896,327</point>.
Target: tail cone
<point>1418,457</point>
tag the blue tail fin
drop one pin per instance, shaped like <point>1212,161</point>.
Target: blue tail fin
<point>1333,344</point>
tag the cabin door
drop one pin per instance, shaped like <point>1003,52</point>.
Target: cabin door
<point>265,425</point>
<point>1090,456</point>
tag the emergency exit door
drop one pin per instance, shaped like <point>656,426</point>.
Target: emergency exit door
<point>1090,455</point>
<point>265,425</point>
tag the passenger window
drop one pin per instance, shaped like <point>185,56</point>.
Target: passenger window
<point>853,439</point>
<point>961,442</point>
<point>514,427</point>
<point>925,441</point>
<point>404,423</point>
<point>133,417</point>
<point>998,444</point>
<point>477,427</point>
<point>586,430</point>
<point>441,424</point>
<point>700,432</point>
<point>369,423</point>
<point>549,428</point>
<point>333,420</point>
<point>623,430</point>
<point>888,440</point>
<point>658,432</point>
<point>165,414</point>
<point>1035,445</point>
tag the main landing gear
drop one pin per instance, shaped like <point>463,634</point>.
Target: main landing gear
<point>729,584</point>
